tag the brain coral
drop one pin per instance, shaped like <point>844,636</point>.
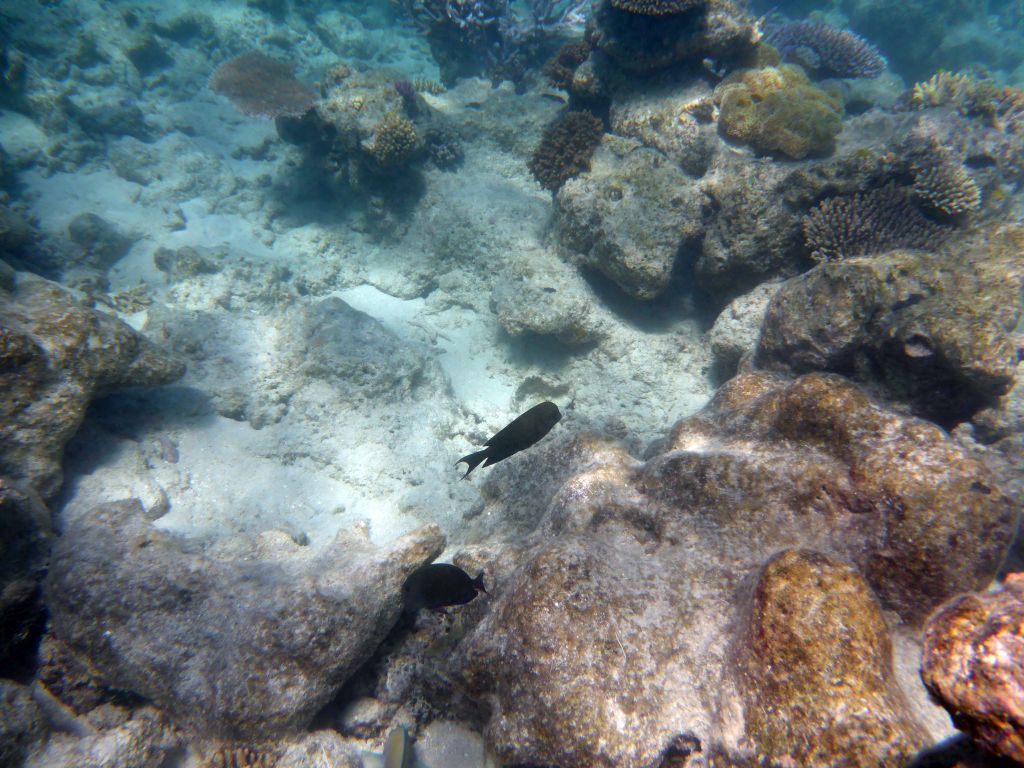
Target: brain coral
<point>869,222</point>
<point>945,186</point>
<point>655,7</point>
<point>778,110</point>
<point>565,149</point>
<point>826,49</point>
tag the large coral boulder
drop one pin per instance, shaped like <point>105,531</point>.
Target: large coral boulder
<point>973,663</point>
<point>247,647</point>
<point>55,356</point>
<point>933,329</point>
<point>815,669</point>
<point>613,643</point>
<point>631,216</point>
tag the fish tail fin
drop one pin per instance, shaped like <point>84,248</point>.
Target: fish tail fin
<point>478,583</point>
<point>472,461</point>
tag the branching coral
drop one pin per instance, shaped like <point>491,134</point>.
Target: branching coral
<point>944,185</point>
<point>565,149</point>
<point>656,7</point>
<point>562,65</point>
<point>1003,106</point>
<point>827,50</point>
<point>261,86</point>
<point>394,141</point>
<point>869,222</point>
<point>777,109</point>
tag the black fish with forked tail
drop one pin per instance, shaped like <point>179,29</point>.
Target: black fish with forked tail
<point>524,431</point>
<point>439,585</point>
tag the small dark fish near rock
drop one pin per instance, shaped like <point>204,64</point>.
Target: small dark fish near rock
<point>523,432</point>
<point>439,585</point>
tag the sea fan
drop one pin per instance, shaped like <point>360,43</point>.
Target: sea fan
<point>869,222</point>
<point>826,49</point>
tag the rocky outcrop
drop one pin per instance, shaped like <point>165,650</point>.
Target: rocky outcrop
<point>26,532</point>
<point>614,642</point>
<point>55,356</point>
<point>631,216</point>
<point>973,663</point>
<point>248,647</point>
<point>934,329</point>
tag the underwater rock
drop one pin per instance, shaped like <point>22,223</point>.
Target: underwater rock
<point>612,639</point>
<point>738,327</point>
<point>814,670</point>
<point>324,747</point>
<point>22,724</point>
<point>973,663</point>
<point>183,263</point>
<point>56,356</point>
<point>778,110</point>
<point>245,648</point>
<point>637,42</point>
<point>102,243</point>
<point>25,531</point>
<point>631,216</point>
<point>545,296</point>
<point>754,235</point>
<point>930,329</point>
<point>356,352</point>
<point>659,118</point>
<point>140,739</point>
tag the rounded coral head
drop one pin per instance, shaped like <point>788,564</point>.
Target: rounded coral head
<point>656,7</point>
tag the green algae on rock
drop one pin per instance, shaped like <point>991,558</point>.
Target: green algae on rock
<point>779,110</point>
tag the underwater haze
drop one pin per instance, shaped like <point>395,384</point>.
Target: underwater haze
<point>534,383</point>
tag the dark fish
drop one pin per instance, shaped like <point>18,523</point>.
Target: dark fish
<point>523,432</point>
<point>437,585</point>
<point>557,97</point>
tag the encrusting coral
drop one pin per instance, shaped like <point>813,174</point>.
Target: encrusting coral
<point>261,86</point>
<point>778,110</point>
<point>565,149</point>
<point>869,222</point>
<point>827,49</point>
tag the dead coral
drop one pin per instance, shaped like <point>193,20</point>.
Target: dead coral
<point>261,86</point>
<point>944,185</point>
<point>869,222</point>
<point>566,148</point>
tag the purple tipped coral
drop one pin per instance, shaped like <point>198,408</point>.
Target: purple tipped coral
<point>827,50</point>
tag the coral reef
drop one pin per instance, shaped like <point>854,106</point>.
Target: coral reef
<point>717,29</point>
<point>944,185</point>
<point>631,217</point>
<point>973,663</point>
<point>778,110</point>
<point>280,629</point>
<point>262,86</point>
<point>560,68</point>
<point>611,635</point>
<point>444,147</point>
<point>868,223</point>
<point>57,356</point>
<point>826,50</point>
<point>565,149</point>
<point>930,329</point>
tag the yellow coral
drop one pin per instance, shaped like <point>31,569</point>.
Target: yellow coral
<point>394,140</point>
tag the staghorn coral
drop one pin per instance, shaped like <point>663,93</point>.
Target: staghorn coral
<point>827,50</point>
<point>777,109</point>
<point>261,86</point>
<point>655,7</point>
<point>944,185</point>
<point>565,149</point>
<point>868,222</point>
<point>394,141</point>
